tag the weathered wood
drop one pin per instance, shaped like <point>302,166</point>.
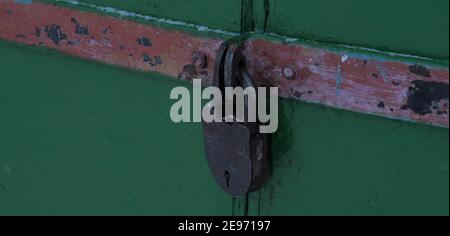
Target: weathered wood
<point>353,82</point>
<point>106,39</point>
<point>356,82</point>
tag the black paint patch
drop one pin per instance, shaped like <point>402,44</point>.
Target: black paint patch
<point>37,32</point>
<point>81,30</point>
<point>106,30</point>
<point>144,42</point>
<point>146,57</point>
<point>375,75</point>
<point>21,36</point>
<point>420,70</point>
<point>73,42</point>
<point>381,105</point>
<point>54,33</point>
<point>155,61</point>
<point>298,94</point>
<point>73,20</point>
<point>395,83</point>
<point>423,95</point>
<point>189,73</point>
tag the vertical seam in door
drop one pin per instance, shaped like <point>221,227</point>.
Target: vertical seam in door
<point>247,16</point>
<point>266,14</point>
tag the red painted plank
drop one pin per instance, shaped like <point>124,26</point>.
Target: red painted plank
<point>374,86</point>
<point>106,39</point>
<point>358,83</point>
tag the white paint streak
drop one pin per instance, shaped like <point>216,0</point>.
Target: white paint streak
<point>392,54</point>
<point>360,50</point>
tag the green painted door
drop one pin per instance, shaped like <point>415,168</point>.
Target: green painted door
<point>82,138</point>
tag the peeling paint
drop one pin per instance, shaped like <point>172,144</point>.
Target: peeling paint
<point>37,32</point>
<point>66,29</point>
<point>371,86</point>
<point>321,71</point>
<point>54,33</point>
<point>420,70</point>
<point>81,30</point>
<point>144,42</point>
<point>152,61</point>
<point>424,97</point>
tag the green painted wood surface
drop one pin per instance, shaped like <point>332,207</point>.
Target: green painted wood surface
<point>417,27</point>
<point>83,138</point>
<point>331,162</point>
<point>224,15</point>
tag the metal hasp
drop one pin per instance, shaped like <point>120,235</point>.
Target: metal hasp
<point>237,153</point>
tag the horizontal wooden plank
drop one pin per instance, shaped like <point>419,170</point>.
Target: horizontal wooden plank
<point>352,81</point>
<point>106,39</point>
<point>358,82</point>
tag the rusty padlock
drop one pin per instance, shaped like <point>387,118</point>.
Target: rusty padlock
<point>237,153</point>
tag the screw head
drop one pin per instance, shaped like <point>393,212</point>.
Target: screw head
<point>289,73</point>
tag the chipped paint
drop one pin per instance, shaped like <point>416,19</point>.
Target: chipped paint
<point>424,97</point>
<point>372,85</point>
<point>103,38</point>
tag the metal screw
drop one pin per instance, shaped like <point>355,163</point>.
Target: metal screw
<point>200,60</point>
<point>289,73</point>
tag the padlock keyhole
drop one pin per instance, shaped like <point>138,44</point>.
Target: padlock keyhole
<point>227,178</point>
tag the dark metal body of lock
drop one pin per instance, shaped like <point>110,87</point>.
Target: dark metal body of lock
<point>237,153</point>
